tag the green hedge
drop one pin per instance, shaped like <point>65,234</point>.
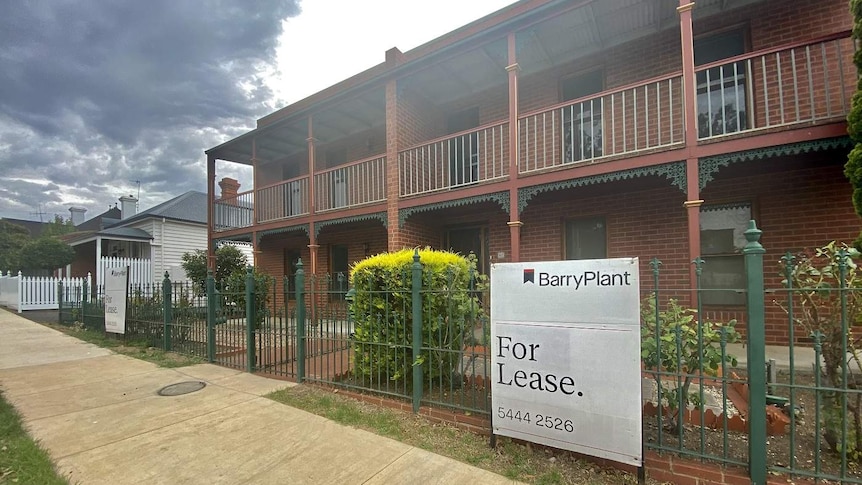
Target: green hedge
<point>382,310</point>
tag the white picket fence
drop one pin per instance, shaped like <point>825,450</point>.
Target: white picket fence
<point>37,292</point>
<point>140,270</point>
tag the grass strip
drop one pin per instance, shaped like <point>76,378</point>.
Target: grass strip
<point>138,349</point>
<point>530,464</point>
<point>22,460</point>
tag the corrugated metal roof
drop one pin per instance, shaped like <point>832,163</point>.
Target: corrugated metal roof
<point>190,207</point>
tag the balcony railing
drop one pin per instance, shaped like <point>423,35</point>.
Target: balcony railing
<point>627,120</point>
<point>283,200</point>
<point>234,212</point>
<point>800,83</point>
<point>361,182</point>
<point>457,160</point>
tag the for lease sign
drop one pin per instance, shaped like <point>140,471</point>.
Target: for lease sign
<point>565,355</point>
<point>116,292</point>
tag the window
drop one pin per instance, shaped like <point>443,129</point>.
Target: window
<point>721,90</point>
<point>582,122</point>
<point>722,239</point>
<point>464,149</point>
<point>339,272</point>
<point>466,240</point>
<point>586,238</point>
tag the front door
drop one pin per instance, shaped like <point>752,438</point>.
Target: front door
<point>466,240</point>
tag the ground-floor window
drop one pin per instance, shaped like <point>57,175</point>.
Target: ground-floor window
<point>722,239</point>
<point>339,266</point>
<point>585,238</point>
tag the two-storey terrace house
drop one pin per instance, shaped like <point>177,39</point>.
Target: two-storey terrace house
<point>567,129</point>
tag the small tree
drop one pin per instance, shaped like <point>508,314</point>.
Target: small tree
<point>12,238</point>
<point>58,227</point>
<point>46,253</point>
<point>677,346</point>
<point>827,302</point>
<point>229,260</point>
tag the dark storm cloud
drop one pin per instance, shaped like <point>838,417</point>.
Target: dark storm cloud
<point>96,94</point>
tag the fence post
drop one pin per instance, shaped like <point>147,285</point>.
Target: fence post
<point>211,316</point>
<point>84,289</point>
<point>756,361</point>
<point>417,331</point>
<point>169,317</point>
<point>250,304</point>
<point>60,302</point>
<point>300,322</point>
<point>20,292</point>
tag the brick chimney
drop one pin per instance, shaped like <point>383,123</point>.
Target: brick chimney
<point>77,215</point>
<point>229,189</point>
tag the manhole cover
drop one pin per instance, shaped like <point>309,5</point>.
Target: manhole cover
<point>181,388</point>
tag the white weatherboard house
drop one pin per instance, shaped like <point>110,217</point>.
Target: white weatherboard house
<point>150,242</point>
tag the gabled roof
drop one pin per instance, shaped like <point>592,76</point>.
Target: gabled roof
<point>188,207</point>
<point>34,227</point>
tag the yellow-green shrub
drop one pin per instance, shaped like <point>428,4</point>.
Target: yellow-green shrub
<point>382,310</point>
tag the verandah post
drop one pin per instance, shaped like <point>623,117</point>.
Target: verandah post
<point>211,316</point>
<point>417,331</point>
<point>250,307</point>
<point>300,322</point>
<point>756,355</point>
<point>168,310</point>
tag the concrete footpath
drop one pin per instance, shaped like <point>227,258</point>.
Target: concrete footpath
<point>100,418</point>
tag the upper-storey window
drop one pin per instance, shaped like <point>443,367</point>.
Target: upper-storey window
<point>721,90</point>
<point>582,121</point>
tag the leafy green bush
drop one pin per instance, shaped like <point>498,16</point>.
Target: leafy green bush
<point>234,292</point>
<point>382,310</point>
<point>829,315</point>
<point>679,349</point>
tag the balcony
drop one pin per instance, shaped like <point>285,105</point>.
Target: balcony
<point>459,160</point>
<point>621,122</point>
<point>802,83</point>
<point>283,200</point>
<point>352,185</point>
<point>234,212</point>
<point>617,66</point>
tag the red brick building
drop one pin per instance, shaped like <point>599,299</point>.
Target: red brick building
<point>568,129</point>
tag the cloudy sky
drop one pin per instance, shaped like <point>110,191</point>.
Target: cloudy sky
<point>98,96</point>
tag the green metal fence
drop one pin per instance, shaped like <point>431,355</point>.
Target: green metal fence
<point>699,401</point>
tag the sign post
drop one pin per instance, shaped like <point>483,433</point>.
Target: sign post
<point>116,295</point>
<point>565,358</point>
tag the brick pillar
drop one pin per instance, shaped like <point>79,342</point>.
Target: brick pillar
<point>394,240</point>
